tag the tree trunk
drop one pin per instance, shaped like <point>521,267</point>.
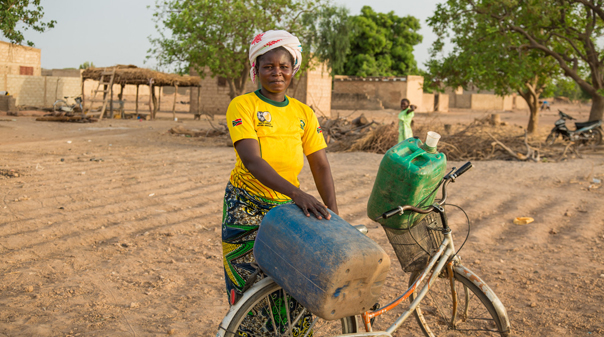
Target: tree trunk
<point>597,108</point>
<point>532,100</point>
<point>237,85</point>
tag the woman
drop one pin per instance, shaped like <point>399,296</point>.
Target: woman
<point>271,133</point>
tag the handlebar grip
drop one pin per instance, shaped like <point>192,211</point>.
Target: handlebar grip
<point>463,169</point>
<point>390,213</point>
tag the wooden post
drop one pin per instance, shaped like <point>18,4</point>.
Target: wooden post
<point>136,108</point>
<point>151,116</point>
<point>122,103</point>
<point>199,100</point>
<point>111,103</point>
<point>83,96</point>
<point>159,99</point>
<point>174,103</point>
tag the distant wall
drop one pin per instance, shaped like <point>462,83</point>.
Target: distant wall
<point>486,102</point>
<point>441,103</point>
<point>428,103</point>
<point>460,101</point>
<point>62,72</point>
<point>388,90</point>
<point>39,90</point>
<point>7,103</point>
<point>318,89</point>
<point>415,94</point>
<point>520,103</point>
<point>347,101</point>
<point>508,102</point>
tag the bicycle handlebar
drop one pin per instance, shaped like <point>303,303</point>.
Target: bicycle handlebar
<point>447,179</point>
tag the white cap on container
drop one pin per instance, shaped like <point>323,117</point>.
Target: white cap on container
<point>432,139</point>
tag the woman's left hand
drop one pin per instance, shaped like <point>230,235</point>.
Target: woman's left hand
<point>309,204</point>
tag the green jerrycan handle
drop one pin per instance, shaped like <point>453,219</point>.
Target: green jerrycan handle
<point>415,155</point>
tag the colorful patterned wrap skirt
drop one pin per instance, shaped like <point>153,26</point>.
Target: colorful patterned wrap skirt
<point>241,218</point>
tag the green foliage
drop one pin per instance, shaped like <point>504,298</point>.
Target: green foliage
<point>27,13</point>
<point>217,33</point>
<point>382,44</point>
<point>483,56</point>
<point>566,87</point>
<point>486,57</point>
<point>328,36</point>
<point>86,65</point>
<point>569,32</point>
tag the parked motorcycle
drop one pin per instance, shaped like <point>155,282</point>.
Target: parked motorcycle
<point>587,133</point>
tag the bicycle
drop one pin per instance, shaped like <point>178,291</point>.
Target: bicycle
<point>267,310</point>
<point>61,106</point>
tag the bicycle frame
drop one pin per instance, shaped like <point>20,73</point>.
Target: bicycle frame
<point>441,257</point>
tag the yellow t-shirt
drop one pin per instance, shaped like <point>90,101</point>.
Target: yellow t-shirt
<point>286,131</point>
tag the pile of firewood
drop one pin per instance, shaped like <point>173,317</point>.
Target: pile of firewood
<point>483,139</point>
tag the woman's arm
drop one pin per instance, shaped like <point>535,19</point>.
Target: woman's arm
<point>249,152</point>
<point>321,172</point>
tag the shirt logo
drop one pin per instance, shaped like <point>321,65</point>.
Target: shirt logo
<point>238,121</point>
<point>302,124</point>
<point>264,118</point>
<point>319,130</point>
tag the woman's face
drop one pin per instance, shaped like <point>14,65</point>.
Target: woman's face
<point>275,71</point>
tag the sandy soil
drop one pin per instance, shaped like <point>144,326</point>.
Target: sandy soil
<point>113,229</point>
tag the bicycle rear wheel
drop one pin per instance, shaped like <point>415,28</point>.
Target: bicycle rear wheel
<point>475,315</point>
<point>271,312</point>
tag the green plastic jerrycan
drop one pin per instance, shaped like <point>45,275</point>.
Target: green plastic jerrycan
<point>408,173</point>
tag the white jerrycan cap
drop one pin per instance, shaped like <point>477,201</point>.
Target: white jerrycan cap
<point>432,139</point>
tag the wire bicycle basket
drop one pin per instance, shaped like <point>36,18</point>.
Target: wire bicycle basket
<point>411,245</point>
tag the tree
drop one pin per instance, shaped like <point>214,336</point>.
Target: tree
<point>86,65</point>
<point>565,30</point>
<point>28,13</point>
<point>217,33</point>
<point>328,36</point>
<point>382,44</point>
<point>487,58</point>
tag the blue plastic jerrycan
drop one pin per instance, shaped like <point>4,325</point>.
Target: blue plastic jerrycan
<point>328,266</point>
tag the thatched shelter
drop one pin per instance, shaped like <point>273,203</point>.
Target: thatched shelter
<point>132,75</point>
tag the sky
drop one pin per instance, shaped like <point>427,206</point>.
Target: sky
<point>112,32</point>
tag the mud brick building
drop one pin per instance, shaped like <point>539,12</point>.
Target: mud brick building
<point>19,60</point>
<point>20,75</point>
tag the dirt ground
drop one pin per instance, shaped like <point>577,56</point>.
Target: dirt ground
<point>113,229</point>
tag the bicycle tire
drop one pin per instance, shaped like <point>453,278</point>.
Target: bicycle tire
<point>256,304</point>
<point>481,318</point>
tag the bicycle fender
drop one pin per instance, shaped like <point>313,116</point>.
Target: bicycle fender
<point>468,274</point>
<point>246,296</point>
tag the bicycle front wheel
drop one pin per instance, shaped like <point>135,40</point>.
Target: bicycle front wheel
<point>475,313</point>
<point>271,312</point>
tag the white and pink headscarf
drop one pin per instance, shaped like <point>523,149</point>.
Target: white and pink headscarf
<point>270,40</point>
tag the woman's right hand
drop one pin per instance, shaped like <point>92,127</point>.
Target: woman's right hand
<point>309,204</point>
